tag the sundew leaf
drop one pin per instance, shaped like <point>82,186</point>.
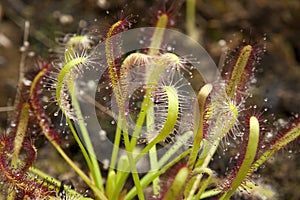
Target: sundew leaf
<point>288,137</point>
<point>248,158</point>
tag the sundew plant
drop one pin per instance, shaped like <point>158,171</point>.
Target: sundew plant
<point>148,109</point>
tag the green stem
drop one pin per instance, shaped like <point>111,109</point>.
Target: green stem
<point>177,184</point>
<point>148,178</point>
<point>205,182</point>
<point>190,19</point>
<point>117,140</point>
<point>152,151</point>
<point>158,34</point>
<point>202,96</point>
<point>46,130</point>
<point>172,115</point>
<point>175,147</point>
<point>140,120</point>
<point>155,72</point>
<point>110,187</point>
<point>121,176</point>
<point>84,177</point>
<point>154,168</point>
<point>81,146</point>
<point>173,110</point>
<point>113,182</point>
<point>132,163</point>
<point>210,193</point>
<point>203,164</point>
<point>95,170</point>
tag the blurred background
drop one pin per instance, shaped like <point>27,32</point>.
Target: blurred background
<point>278,76</point>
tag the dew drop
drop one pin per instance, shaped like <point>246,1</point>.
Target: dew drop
<point>269,135</point>
<point>91,84</point>
<point>13,124</point>
<point>265,38</point>
<point>102,135</point>
<point>253,80</point>
<point>222,42</point>
<point>105,163</point>
<point>169,48</point>
<point>172,22</point>
<point>27,82</point>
